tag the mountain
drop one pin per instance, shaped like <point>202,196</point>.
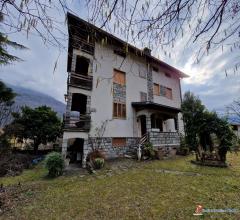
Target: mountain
<point>34,99</point>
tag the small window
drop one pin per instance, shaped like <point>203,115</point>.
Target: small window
<point>156,89</point>
<point>119,77</point>
<point>168,75</point>
<point>142,73</point>
<point>162,90</point>
<point>143,96</point>
<point>168,93</point>
<point>235,127</point>
<point>119,142</point>
<point>155,69</point>
<point>119,110</point>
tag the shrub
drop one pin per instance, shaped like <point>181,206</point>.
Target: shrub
<point>98,163</point>
<point>95,154</point>
<point>54,164</point>
<point>148,150</point>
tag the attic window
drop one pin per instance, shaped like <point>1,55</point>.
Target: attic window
<point>155,69</point>
<point>168,75</point>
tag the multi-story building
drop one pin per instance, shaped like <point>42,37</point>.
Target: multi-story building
<point>117,94</point>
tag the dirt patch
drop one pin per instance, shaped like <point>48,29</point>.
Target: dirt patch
<point>12,195</point>
<point>12,164</point>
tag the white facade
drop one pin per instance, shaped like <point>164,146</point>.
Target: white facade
<point>102,97</point>
<point>141,72</point>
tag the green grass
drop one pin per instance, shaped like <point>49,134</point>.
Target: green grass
<point>139,193</point>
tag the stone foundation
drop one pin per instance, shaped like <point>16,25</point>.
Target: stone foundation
<point>164,139</point>
<point>105,145</point>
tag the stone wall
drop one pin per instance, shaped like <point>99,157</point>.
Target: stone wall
<point>164,139</point>
<point>105,145</point>
<point>119,93</point>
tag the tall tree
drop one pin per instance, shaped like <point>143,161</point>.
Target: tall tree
<point>6,103</point>
<point>5,56</point>
<point>192,109</point>
<point>234,110</point>
<point>41,125</point>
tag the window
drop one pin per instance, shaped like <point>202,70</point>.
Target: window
<point>119,142</point>
<point>162,91</point>
<point>142,72</point>
<point>119,110</point>
<point>143,96</point>
<point>168,75</point>
<point>82,65</point>
<point>156,89</point>
<point>119,77</point>
<point>155,68</point>
<point>168,93</point>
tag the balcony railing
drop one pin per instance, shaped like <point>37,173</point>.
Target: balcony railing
<point>81,81</point>
<point>81,123</point>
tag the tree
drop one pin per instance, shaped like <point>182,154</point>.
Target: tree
<point>200,124</point>
<point>41,125</point>
<point>192,109</point>
<point>234,109</point>
<point>5,56</point>
<point>6,103</point>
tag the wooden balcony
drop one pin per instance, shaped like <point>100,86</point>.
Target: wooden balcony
<point>80,81</point>
<point>81,123</point>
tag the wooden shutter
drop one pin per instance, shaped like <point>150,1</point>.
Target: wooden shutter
<point>156,89</point>
<point>119,77</point>
<point>169,93</point>
<point>119,142</point>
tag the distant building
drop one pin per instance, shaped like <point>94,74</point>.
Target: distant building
<point>120,91</point>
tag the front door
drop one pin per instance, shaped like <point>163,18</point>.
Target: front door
<point>143,125</point>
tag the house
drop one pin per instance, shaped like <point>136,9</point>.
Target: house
<point>117,95</point>
<point>236,128</point>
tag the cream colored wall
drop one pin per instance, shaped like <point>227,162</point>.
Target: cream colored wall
<point>173,83</point>
<point>102,99</point>
<point>103,63</point>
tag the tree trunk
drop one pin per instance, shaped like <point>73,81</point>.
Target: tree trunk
<point>35,147</point>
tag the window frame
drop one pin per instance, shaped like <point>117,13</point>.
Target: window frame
<point>116,139</point>
<point>120,110</point>
<point>158,89</point>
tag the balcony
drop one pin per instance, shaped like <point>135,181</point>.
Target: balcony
<point>81,123</point>
<point>80,81</point>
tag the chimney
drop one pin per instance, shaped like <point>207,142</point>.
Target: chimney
<point>147,51</point>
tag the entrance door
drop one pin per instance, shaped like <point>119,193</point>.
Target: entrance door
<point>143,125</point>
<point>75,151</point>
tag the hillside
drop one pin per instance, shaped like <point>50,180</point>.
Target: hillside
<point>34,99</point>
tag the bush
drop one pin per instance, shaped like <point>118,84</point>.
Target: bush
<point>95,154</point>
<point>98,163</point>
<point>148,151</point>
<point>55,164</point>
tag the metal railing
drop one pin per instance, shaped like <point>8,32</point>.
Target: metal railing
<point>81,81</point>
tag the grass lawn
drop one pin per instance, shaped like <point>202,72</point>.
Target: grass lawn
<point>143,192</point>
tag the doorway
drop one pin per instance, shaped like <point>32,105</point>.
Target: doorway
<point>142,125</point>
<point>75,150</point>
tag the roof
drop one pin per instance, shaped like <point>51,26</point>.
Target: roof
<point>155,106</point>
<point>72,18</point>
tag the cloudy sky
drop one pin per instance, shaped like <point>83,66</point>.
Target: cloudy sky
<point>207,79</point>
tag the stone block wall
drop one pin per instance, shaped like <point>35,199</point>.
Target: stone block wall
<point>119,93</point>
<point>164,139</point>
<point>105,145</point>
